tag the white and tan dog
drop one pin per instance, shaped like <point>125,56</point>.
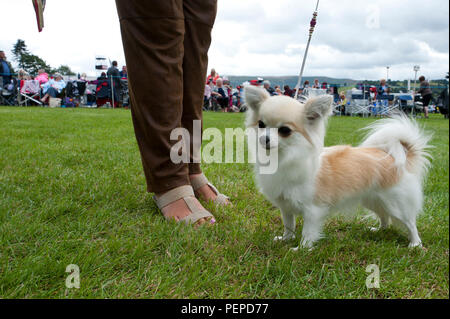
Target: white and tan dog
<point>385,173</point>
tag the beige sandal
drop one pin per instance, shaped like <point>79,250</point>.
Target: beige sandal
<point>187,194</point>
<point>201,180</point>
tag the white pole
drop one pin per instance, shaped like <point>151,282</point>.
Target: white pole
<point>112,85</point>
<point>112,90</point>
<point>311,30</point>
<point>414,93</point>
<point>300,78</point>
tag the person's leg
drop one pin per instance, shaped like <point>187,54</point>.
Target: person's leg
<point>101,102</point>
<point>199,19</point>
<point>51,92</point>
<point>426,102</point>
<point>153,35</point>
<point>44,98</point>
<point>153,39</point>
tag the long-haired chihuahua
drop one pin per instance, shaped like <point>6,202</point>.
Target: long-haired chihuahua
<point>384,174</point>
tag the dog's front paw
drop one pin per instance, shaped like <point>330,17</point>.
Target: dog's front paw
<point>284,237</point>
<point>308,244</point>
<point>295,249</point>
<point>278,238</point>
<point>415,244</point>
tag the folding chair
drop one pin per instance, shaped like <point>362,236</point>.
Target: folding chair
<point>359,104</point>
<point>82,85</point>
<point>382,107</point>
<point>8,94</point>
<point>30,92</point>
<point>392,107</point>
<point>404,102</point>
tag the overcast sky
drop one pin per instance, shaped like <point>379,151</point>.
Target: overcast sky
<point>353,39</point>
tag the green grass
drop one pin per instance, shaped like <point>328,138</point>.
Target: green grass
<point>72,191</point>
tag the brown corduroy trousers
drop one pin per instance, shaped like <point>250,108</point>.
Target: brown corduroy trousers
<point>166,44</point>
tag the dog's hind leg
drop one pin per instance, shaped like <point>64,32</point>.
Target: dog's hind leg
<point>403,209</point>
<point>376,206</point>
<point>413,234</point>
<point>414,239</point>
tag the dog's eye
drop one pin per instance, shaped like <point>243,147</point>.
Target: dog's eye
<point>284,131</point>
<point>261,124</point>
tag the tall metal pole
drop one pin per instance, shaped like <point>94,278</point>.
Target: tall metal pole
<point>416,68</point>
<point>311,31</point>
<point>112,91</point>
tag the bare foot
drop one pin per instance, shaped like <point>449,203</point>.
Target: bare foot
<point>178,210</point>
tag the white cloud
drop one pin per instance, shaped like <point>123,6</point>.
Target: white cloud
<point>258,37</point>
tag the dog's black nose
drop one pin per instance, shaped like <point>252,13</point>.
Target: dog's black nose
<point>265,140</point>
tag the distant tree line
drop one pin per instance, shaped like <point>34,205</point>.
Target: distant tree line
<point>32,63</point>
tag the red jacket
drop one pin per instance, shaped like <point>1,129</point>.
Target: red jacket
<point>213,79</point>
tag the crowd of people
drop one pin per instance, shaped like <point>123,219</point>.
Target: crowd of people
<point>220,95</point>
<point>109,87</point>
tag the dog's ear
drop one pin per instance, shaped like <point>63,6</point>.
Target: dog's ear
<point>255,96</point>
<point>318,107</point>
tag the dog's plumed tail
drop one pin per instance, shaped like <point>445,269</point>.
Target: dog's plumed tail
<point>404,140</point>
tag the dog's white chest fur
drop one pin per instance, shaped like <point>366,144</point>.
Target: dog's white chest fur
<point>287,187</point>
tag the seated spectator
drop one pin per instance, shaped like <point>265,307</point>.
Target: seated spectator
<point>342,103</point>
<point>214,76</point>
<point>288,91</point>
<point>220,94</point>
<point>335,92</point>
<point>42,77</point>
<point>6,70</point>
<point>207,96</point>
<point>104,91</point>
<point>83,77</point>
<point>383,91</point>
<point>316,84</point>
<point>237,94</point>
<point>268,88</point>
<point>22,76</point>
<point>229,91</point>
<point>53,87</point>
<point>124,72</point>
<point>278,90</point>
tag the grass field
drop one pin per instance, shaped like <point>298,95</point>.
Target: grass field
<point>72,191</point>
